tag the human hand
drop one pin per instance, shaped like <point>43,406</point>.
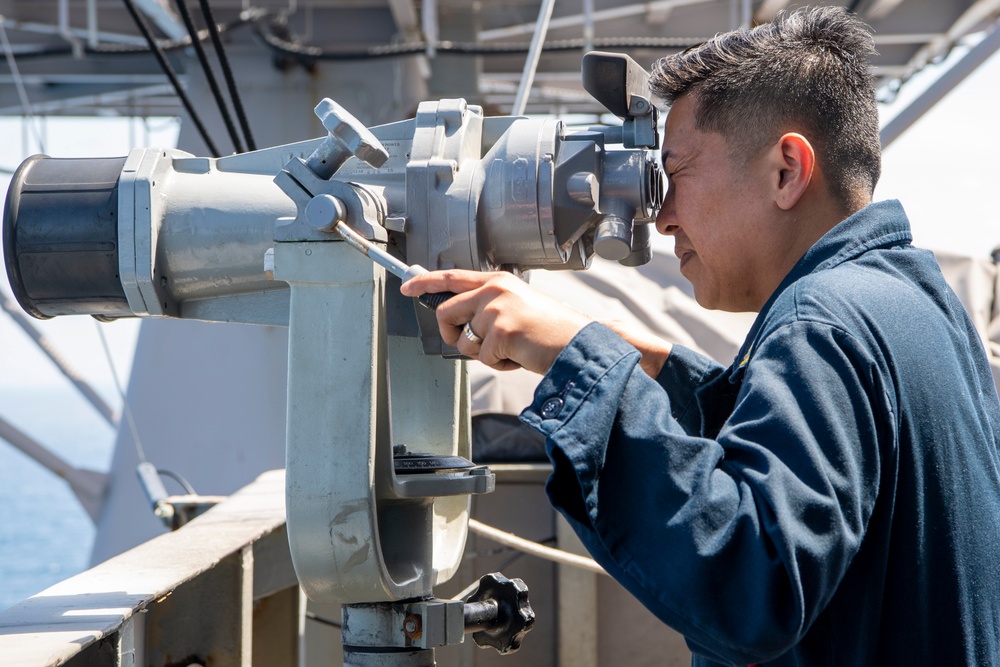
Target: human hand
<point>519,325</point>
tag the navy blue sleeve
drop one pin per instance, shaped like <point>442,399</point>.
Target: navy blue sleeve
<point>683,377</point>
<point>739,541</point>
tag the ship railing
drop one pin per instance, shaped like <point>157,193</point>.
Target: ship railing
<point>220,590</point>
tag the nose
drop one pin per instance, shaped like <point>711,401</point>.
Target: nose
<point>666,218</point>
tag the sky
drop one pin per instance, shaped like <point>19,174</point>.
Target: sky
<point>77,338</point>
<point>944,169</point>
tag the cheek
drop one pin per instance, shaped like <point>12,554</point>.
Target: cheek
<point>721,244</point>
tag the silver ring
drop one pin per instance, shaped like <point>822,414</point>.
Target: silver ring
<point>471,335</point>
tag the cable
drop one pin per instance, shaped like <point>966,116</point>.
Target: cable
<point>126,410</point>
<point>177,478</point>
<point>518,555</point>
<point>206,67</point>
<point>464,594</point>
<point>292,49</point>
<point>535,549</point>
<point>169,71</point>
<point>527,547</point>
<point>227,72</point>
<point>118,49</point>
<point>313,616</point>
<point>266,26</point>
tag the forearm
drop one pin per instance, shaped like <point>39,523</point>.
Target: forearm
<point>654,350</point>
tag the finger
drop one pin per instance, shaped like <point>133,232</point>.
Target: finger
<point>455,313</point>
<point>452,280</point>
<point>467,341</point>
<point>488,354</point>
<point>502,365</point>
<point>470,334</point>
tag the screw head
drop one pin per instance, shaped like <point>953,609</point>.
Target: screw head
<point>412,626</point>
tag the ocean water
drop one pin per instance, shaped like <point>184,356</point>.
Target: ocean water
<point>45,534</point>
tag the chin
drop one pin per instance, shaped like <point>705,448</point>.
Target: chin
<point>718,302</point>
<point>709,301</point>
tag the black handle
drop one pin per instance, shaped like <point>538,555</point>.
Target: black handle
<point>499,614</point>
<point>434,299</point>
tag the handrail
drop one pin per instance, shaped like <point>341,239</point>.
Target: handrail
<point>170,586</point>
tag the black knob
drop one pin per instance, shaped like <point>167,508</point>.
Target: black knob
<point>498,614</point>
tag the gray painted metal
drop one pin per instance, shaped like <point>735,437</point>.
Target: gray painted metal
<point>117,613</point>
<point>354,536</point>
<point>578,630</point>
<point>911,33</point>
<point>195,234</point>
<point>207,433</point>
<point>934,93</point>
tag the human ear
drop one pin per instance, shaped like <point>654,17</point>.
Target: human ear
<point>795,160</point>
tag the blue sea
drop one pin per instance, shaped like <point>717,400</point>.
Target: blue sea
<point>45,535</point>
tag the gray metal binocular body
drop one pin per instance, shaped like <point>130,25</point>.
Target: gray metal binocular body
<point>164,233</point>
<point>250,238</point>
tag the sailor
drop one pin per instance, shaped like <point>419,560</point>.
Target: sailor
<point>832,497</point>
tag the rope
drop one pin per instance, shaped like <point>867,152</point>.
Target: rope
<point>534,549</point>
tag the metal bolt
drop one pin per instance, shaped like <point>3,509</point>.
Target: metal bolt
<point>324,212</point>
<point>412,626</point>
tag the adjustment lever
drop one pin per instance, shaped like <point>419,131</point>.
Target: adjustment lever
<point>391,264</point>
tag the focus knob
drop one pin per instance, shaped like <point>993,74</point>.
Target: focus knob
<point>498,614</point>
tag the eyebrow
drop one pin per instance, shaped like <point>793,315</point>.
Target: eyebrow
<point>667,155</point>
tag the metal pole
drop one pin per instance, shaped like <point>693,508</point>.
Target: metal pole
<point>66,32</point>
<point>46,346</point>
<point>528,75</point>
<point>87,485</point>
<point>92,34</point>
<point>947,82</point>
<point>588,26</point>
<point>611,14</point>
<point>429,22</point>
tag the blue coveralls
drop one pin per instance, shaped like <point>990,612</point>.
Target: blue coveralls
<point>832,498</point>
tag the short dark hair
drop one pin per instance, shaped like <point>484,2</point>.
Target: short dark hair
<point>806,71</point>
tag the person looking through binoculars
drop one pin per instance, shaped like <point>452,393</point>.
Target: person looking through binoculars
<point>830,497</point>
